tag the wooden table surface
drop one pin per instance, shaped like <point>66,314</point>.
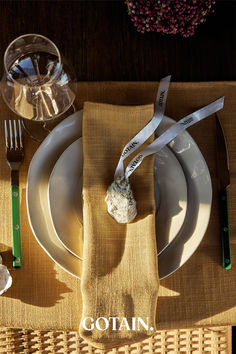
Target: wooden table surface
<point>102,44</point>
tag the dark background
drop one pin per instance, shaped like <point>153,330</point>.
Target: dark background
<point>102,44</point>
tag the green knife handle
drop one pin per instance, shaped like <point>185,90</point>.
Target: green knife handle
<point>224,228</point>
<point>16,238</point>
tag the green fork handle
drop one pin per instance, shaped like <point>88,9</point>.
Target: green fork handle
<point>16,238</point>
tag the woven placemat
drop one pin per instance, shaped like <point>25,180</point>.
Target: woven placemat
<point>192,296</point>
<point>217,340</point>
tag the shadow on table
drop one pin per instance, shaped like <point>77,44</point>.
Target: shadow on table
<point>196,292</point>
<point>36,282</point>
<point>193,305</point>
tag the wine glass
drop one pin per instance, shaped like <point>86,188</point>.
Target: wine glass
<point>37,84</point>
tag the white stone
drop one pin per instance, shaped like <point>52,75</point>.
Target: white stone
<point>121,204</point>
<point>5,279</point>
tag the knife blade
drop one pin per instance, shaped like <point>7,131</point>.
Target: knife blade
<point>222,164</point>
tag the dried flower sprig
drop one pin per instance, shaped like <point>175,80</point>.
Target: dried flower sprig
<point>169,16</point>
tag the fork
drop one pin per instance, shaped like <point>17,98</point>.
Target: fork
<point>15,156</point>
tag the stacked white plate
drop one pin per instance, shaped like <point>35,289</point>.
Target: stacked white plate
<point>54,201</point>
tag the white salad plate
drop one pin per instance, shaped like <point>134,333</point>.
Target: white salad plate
<point>54,203</point>
<point>65,198</point>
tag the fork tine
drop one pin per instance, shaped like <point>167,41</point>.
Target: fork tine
<point>15,134</point>
<point>6,134</point>
<point>11,135</point>
<point>20,134</point>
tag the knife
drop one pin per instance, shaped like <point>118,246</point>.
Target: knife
<point>222,163</point>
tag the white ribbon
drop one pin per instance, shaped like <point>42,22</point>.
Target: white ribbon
<point>147,131</point>
<point>172,132</point>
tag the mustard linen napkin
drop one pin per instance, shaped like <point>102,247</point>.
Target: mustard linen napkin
<point>120,275</point>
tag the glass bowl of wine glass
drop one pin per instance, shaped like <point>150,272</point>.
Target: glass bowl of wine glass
<point>38,84</point>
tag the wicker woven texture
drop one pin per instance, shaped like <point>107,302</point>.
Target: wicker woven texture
<point>200,340</point>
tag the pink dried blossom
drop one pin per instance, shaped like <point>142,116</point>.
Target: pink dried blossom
<point>169,16</point>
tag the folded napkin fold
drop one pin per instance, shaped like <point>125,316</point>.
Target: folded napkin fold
<point>120,277</point>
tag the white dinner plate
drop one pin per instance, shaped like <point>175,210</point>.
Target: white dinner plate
<point>65,188</point>
<point>174,253</point>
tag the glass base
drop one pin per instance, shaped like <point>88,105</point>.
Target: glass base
<point>39,130</point>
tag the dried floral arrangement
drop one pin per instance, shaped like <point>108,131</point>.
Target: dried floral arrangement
<point>169,16</point>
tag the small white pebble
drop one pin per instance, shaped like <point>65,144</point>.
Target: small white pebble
<point>121,204</point>
<point>5,279</point>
